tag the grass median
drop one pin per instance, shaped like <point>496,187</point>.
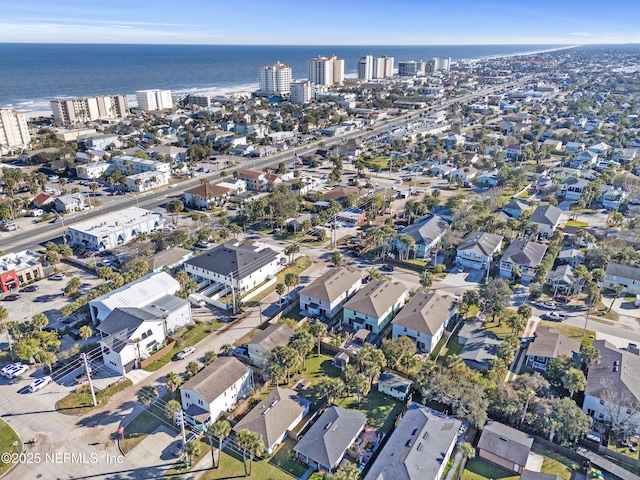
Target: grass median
<point>79,401</point>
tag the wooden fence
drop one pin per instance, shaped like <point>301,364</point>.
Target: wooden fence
<point>160,353</point>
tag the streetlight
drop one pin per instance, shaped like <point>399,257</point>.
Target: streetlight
<point>135,196</point>
<point>64,230</point>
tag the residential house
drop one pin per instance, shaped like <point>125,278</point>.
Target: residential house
<point>326,295</point>
<point>42,200</point>
<point>374,305</point>
<point>424,319</point>
<point>324,445</point>
<point>419,448</point>
<point>547,217</point>
<point>274,417</point>
<point>515,209</point>
<point>573,188</point>
<point>611,197</point>
<point>92,171</point>
<point>443,169</point>
<point>547,344</point>
<point>264,341</point>
<point>477,250</point>
<point>72,202</point>
<point>600,148</point>
<point>394,385</point>
<point>626,275</point>
<point>574,147</point>
<point>513,151</point>
<point>215,389</point>
<point>612,393</point>
<point>242,266</point>
<point>426,232</point>
<point>562,280</point>
<point>489,178</point>
<point>206,196</point>
<point>169,260</point>
<point>454,140</point>
<point>352,216</point>
<point>505,446</point>
<point>256,180</point>
<point>177,154</point>
<point>339,194</point>
<point>465,174</point>
<point>571,256</point>
<point>585,159</point>
<point>480,345</point>
<point>132,334</point>
<point>554,145</point>
<point>523,254</point>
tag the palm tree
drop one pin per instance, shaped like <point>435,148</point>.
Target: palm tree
<point>280,289</point>
<point>173,381</point>
<point>192,449</point>
<point>173,409</point>
<point>467,450</point>
<point>251,445</point>
<point>291,280</point>
<point>220,430</point>
<point>39,320</point>
<point>336,258</point>
<point>147,394</point>
<point>319,331</point>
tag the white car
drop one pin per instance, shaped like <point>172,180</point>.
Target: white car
<point>284,300</point>
<point>548,305</point>
<point>17,371</point>
<point>7,368</point>
<point>40,383</point>
<point>185,353</point>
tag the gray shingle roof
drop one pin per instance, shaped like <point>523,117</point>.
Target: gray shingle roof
<point>618,370</point>
<point>273,335</point>
<point>426,229</point>
<point>624,271</point>
<point>216,378</point>
<point>523,252</point>
<point>329,437</point>
<point>481,346</point>
<point>125,319</point>
<point>274,415</point>
<point>394,382</point>
<point>376,297</point>
<point>330,285</point>
<point>551,343</point>
<point>426,312</point>
<point>546,215</point>
<point>415,449</point>
<point>485,243</point>
<point>243,259</point>
<point>506,442</point>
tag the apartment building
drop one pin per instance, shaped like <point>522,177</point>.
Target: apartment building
<point>88,109</point>
<point>326,71</point>
<point>274,79</point>
<point>14,133</point>
<point>149,100</point>
<point>301,91</point>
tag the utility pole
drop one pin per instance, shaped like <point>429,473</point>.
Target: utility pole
<point>233,294</point>
<point>88,371</point>
<point>183,420</point>
<point>260,310</point>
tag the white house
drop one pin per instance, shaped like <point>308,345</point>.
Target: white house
<point>477,250</point>
<point>612,394</point>
<point>375,304</point>
<point>424,319</point>
<point>92,171</point>
<point>522,254</point>
<point>626,275</point>
<point>71,202</point>
<point>145,181</point>
<point>611,197</point>
<point>115,228</point>
<point>261,344</point>
<point>547,217</point>
<point>327,294</point>
<point>215,389</point>
<point>394,385</point>
<point>240,265</point>
<point>573,188</point>
<point>274,417</point>
<point>206,196</point>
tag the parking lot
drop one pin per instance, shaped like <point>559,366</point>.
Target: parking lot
<point>49,297</point>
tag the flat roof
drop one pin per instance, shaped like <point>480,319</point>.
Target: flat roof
<point>105,224</point>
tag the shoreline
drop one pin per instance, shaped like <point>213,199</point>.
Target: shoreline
<point>36,108</point>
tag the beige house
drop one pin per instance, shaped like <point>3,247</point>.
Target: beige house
<point>505,446</point>
<point>326,295</point>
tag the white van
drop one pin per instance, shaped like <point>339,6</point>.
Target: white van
<point>37,212</point>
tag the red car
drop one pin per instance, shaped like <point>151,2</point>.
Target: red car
<point>563,298</point>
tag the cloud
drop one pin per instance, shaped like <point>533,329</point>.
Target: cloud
<point>581,34</point>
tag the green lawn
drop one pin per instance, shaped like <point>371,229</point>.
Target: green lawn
<point>571,331</point>
<point>452,347</point>
<point>299,266</point>
<point>79,401</point>
<point>555,464</point>
<point>284,458</point>
<point>480,469</point>
<point>7,440</point>
<point>577,224</point>
<point>186,337</point>
<point>500,330</point>
<point>381,162</point>
<point>381,411</point>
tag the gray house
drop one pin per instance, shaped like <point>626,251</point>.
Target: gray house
<point>505,446</point>
<point>547,217</point>
<point>69,203</point>
<point>480,345</point>
<point>264,341</point>
<point>419,448</point>
<point>325,444</point>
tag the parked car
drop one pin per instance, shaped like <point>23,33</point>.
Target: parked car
<point>554,316</point>
<point>7,368</point>
<point>29,288</point>
<point>40,383</point>
<point>17,371</point>
<point>284,300</point>
<point>548,305</point>
<point>203,244</point>
<point>12,297</point>
<point>387,268</point>
<point>185,353</point>
<point>563,298</point>
<point>57,276</point>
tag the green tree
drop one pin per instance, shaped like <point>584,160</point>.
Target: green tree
<point>39,321</point>
<point>192,449</point>
<point>330,388</point>
<point>280,289</point>
<point>147,394</point>
<point>47,358</point>
<point>467,450</point>
<point>218,430</point>
<point>346,471</point>
<point>318,330</point>
<point>85,332</point>
<point>193,368</point>
<point>173,410</point>
<point>210,357</point>
<point>370,361</point>
<point>336,258</point>
<point>573,380</point>
<point>494,296</point>
<point>251,445</point>
<point>173,382</point>
<point>291,280</point>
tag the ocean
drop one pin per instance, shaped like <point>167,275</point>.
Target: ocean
<point>33,74</point>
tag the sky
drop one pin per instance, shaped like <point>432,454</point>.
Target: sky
<point>326,22</point>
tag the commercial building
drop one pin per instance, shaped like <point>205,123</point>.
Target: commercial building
<point>411,68</point>
<point>326,71</point>
<point>88,109</point>
<point>436,64</point>
<point>115,228</point>
<point>274,79</point>
<point>383,67</point>
<point>19,268</point>
<point>301,91</point>
<point>14,133</point>
<point>149,100</point>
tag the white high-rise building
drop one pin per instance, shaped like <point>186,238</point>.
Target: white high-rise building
<point>149,100</point>
<point>14,133</point>
<point>382,67</point>
<point>275,79</point>
<point>301,92</point>
<point>88,109</point>
<point>326,71</point>
<point>365,68</point>
<point>436,64</point>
